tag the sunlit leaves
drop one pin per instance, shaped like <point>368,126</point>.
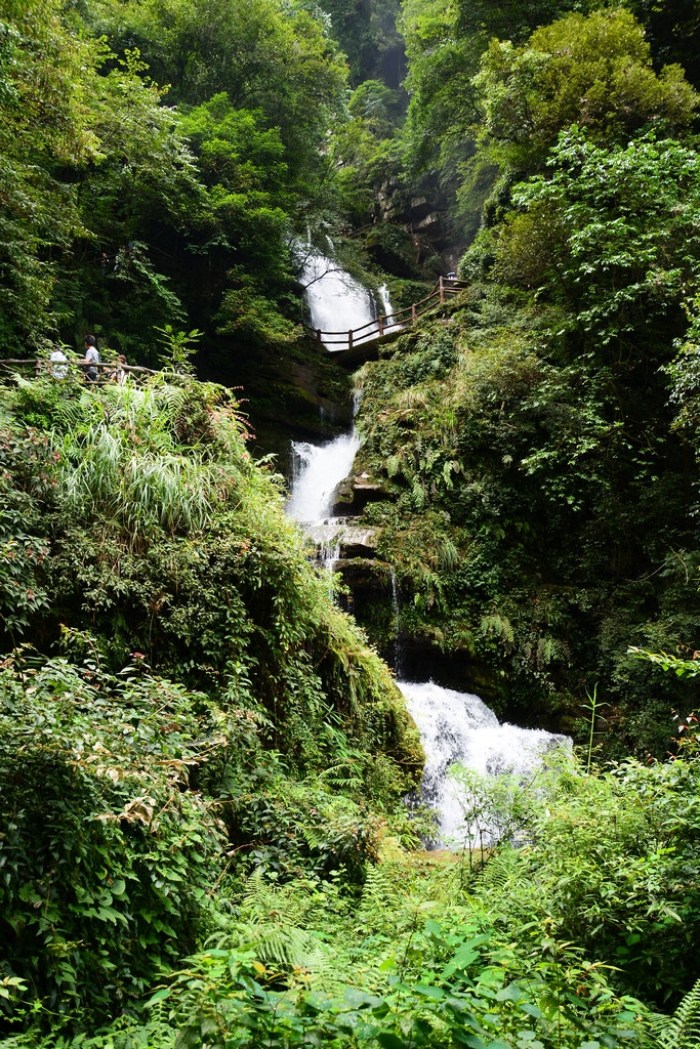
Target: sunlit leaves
<point>621,228</point>
<point>593,71</point>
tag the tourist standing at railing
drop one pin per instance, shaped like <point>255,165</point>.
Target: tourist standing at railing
<point>120,374</point>
<point>59,363</point>
<point>91,358</point>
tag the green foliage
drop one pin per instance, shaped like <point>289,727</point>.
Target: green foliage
<point>622,256</point>
<point>367,33</point>
<point>443,101</point>
<point>295,828</point>
<point>601,849</point>
<point>167,540</point>
<point>45,70</point>
<point>128,793</point>
<point>22,549</point>
<point>106,851</point>
<point>249,52</point>
<point>123,213</point>
<point>593,71</point>
<point>179,348</point>
<point>433,970</point>
<point>682,1031</point>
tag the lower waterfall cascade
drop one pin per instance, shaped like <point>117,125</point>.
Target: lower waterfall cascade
<point>456,728</point>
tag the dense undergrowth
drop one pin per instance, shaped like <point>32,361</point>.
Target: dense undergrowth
<point>181,700</point>
<point>550,945</point>
<point>201,772</point>
<point>531,531</point>
<point>538,447</point>
<point>203,841</point>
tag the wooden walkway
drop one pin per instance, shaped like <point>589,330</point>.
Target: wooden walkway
<point>362,344</point>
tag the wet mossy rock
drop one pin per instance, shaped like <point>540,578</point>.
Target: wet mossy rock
<point>355,493</point>
<point>292,392</point>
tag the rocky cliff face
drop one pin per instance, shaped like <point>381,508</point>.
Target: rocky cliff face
<point>291,392</point>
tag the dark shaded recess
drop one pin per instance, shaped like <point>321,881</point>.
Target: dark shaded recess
<point>673,31</point>
<point>289,392</point>
<point>508,19</point>
<point>368,598</point>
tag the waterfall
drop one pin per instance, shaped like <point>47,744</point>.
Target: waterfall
<point>337,302</point>
<point>317,471</point>
<point>457,728</point>
<point>390,325</point>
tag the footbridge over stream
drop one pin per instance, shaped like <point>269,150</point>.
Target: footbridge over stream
<point>358,345</point>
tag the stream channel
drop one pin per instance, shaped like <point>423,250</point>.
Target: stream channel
<point>456,728</point>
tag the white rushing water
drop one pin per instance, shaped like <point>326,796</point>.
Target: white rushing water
<point>457,728</point>
<point>317,470</point>
<point>390,323</point>
<point>337,302</point>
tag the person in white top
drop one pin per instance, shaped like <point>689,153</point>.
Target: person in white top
<point>91,358</point>
<point>120,374</point>
<point>59,366</point>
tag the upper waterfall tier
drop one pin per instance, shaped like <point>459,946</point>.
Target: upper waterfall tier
<point>337,302</point>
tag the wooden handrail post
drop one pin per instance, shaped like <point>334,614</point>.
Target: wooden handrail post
<point>350,339</point>
<point>414,314</point>
<point>318,335</point>
<point>442,290</point>
<point>380,322</point>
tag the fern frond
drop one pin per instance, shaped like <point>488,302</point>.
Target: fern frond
<point>498,626</point>
<point>393,465</point>
<point>501,871</point>
<point>682,1030</point>
<point>379,897</point>
<point>283,946</point>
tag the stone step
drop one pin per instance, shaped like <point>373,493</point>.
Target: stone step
<point>340,537</point>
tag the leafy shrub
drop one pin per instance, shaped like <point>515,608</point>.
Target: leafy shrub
<point>292,827</point>
<point>613,868</point>
<point>105,850</point>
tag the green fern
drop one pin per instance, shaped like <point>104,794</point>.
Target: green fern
<point>448,554</point>
<point>418,494</point>
<point>393,465</point>
<point>549,651</point>
<point>284,947</point>
<point>502,870</point>
<point>682,1030</point>
<point>379,897</point>
<point>498,626</point>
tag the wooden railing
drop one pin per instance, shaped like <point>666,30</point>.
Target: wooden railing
<point>392,324</point>
<point>107,371</point>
